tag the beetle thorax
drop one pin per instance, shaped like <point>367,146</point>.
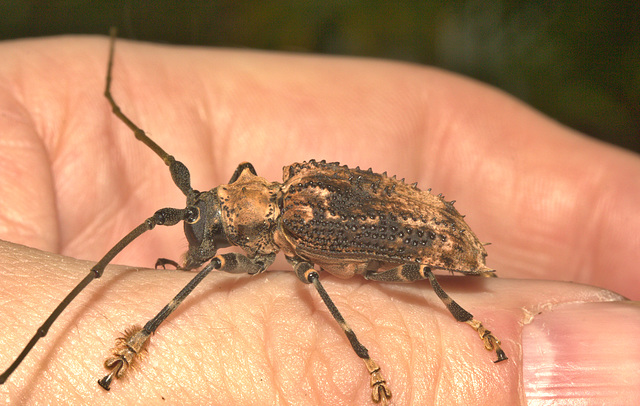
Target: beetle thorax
<point>249,213</point>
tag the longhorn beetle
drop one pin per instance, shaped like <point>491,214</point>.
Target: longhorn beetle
<point>345,221</point>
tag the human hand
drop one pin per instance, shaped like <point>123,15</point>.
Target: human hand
<point>554,204</point>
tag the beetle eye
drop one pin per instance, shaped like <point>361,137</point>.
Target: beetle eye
<point>194,226</point>
<point>193,215</point>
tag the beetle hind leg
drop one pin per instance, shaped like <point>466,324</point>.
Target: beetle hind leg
<point>416,272</point>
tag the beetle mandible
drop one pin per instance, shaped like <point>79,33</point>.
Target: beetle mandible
<point>345,221</point>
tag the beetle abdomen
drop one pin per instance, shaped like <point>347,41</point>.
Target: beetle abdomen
<point>335,212</point>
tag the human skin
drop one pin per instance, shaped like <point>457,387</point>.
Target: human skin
<point>555,205</point>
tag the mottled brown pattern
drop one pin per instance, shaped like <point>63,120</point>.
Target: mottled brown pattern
<point>352,220</point>
<point>249,213</point>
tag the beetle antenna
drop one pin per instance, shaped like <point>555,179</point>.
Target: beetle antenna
<point>166,217</point>
<point>179,172</point>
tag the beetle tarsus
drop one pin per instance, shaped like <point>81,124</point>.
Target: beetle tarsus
<point>163,262</point>
<point>491,343</point>
<point>501,356</point>
<point>106,381</point>
<point>380,393</point>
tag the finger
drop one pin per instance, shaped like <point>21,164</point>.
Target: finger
<point>256,340</point>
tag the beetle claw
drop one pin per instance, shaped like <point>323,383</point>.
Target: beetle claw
<point>491,342</point>
<point>106,381</point>
<point>380,393</point>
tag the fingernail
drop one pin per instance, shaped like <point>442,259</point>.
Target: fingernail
<point>583,354</point>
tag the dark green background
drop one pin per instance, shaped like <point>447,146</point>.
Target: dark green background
<point>578,62</point>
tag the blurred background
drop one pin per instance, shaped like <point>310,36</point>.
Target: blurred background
<point>576,61</point>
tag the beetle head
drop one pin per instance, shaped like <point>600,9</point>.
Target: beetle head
<point>204,229</point>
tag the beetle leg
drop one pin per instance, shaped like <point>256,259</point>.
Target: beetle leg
<point>241,168</point>
<point>234,262</point>
<point>380,393</point>
<point>129,347</point>
<point>135,340</point>
<point>163,262</point>
<point>416,272</point>
<point>167,217</point>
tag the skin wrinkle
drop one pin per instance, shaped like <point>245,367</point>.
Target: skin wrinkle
<point>37,144</point>
<point>604,207</point>
<point>73,244</point>
<point>312,345</point>
<point>277,375</point>
<point>223,377</point>
<point>412,349</point>
<point>251,337</point>
<point>425,125</point>
<point>320,380</point>
<point>277,378</point>
<point>312,376</point>
<point>267,344</point>
<point>585,258</point>
<point>230,379</point>
<point>75,316</point>
<point>227,94</point>
<point>212,169</point>
<point>526,233</point>
<point>436,142</point>
<point>345,308</point>
<point>399,317</point>
<point>363,315</point>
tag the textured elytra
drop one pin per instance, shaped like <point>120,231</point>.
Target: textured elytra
<point>351,221</point>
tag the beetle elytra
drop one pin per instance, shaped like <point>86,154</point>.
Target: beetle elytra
<point>323,216</point>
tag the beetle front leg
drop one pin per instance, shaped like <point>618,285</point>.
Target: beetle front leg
<point>380,393</point>
<point>416,272</point>
<point>130,347</point>
<point>135,339</point>
<point>163,262</point>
